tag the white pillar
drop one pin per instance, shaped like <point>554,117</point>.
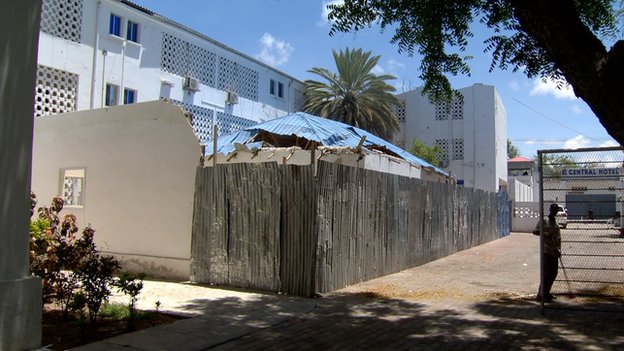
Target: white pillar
<point>20,293</point>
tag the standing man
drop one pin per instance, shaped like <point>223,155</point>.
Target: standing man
<point>551,253</point>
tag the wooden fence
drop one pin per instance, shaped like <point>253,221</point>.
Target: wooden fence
<point>283,228</point>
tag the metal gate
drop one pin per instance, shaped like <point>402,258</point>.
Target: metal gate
<point>589,185</point>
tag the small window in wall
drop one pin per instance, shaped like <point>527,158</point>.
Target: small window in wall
<point>280,90</point>
<point>132,32</point>
<point>114,26</point>
<point>73,186</point>
<point>130,96</point>
<point>272,87</point>
<point>112,95</point>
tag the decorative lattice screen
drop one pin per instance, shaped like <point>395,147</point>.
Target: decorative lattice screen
<point>458,149</point>
<point>56,91</point>
<point>441,111</point>
<point>457,108</point>
<point>237,78</point>
<point>229,123</point>
<point>62,18</point>
<point>400,112</point>
<point>442,145</point>
<point>299,100</point>
<point>185,59</point>
<point>201,119</point>
<point>455,111</point>
<point>73,187</point>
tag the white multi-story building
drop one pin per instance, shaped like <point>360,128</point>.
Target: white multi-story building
<point>471,134</point>
<point>98,53</point>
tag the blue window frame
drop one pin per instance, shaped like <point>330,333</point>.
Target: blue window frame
<point>114,26</point>
<point>129,96</point>
<point>112,92</point>
<point>132,33</point>
<point>272,87</point>
<point>280,90</point>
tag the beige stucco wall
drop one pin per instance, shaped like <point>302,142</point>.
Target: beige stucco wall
<point>140,163</point>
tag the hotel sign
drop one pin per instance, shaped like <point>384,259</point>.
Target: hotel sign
<point>591,172</point>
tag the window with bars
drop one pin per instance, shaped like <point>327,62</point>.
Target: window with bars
<point>73,187</point>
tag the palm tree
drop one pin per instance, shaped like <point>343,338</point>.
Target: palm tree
<point>354,96</point>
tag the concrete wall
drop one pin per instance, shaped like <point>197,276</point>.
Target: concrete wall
<point>140,165</point>
<point>520,191</point>
<point>20,293</point>
<point>103,58</point>
<point>483,130</point>
<point>526,215</point>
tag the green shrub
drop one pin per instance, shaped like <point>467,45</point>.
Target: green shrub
<point>73,271</point>
<point>131,285</point>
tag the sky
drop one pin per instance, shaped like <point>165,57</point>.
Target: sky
<point>293,36</point>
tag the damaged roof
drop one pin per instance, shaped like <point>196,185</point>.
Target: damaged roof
<point>307,131</point>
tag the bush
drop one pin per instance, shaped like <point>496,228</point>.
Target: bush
<point>131,285</point>
<point>73,271</point>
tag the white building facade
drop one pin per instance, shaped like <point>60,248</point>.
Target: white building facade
<point>99,53</point>
<point>471,134</point>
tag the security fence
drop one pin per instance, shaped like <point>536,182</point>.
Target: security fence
<point>588,184</point>
<point>301,230</point>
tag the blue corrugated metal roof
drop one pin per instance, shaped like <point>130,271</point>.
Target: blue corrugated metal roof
<point>322,130</point>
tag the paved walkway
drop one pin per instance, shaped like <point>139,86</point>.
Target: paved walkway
<point>478,299</point>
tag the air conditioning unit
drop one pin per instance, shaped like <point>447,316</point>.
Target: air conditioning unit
<point>191,84</point>
<point>232,98</point>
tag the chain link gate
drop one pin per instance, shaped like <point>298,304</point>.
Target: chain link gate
<point>589,185</point>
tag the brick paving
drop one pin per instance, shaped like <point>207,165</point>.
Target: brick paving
<point>478,299</point>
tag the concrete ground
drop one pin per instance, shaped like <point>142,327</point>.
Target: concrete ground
<point>477,299</point>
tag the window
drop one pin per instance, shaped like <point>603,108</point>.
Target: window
<point>114,26</point>
<point>112,95</point>
<point>73,187</point>
<point>129,96</point>
<point>280,90</point>
<point>132,32</point>
<point>272,87</point>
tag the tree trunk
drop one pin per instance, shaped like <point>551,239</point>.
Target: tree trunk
<point>595,74</point>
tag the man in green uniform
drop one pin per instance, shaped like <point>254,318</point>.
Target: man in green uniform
<point>551,254</point>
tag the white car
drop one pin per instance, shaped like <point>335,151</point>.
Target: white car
<point>562,217</point>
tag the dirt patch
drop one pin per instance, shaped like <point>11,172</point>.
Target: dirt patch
<point>64,332</point>
<point>390,291</point>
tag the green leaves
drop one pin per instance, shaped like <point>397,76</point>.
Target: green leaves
<point>354,95</point>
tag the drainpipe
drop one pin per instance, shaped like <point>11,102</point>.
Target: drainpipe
<point>289,95</point>
<point>104,52</point>
<point>96,41</point>
<point>123,63</point>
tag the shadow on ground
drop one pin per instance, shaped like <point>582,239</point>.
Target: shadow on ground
<point>367,321</point>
